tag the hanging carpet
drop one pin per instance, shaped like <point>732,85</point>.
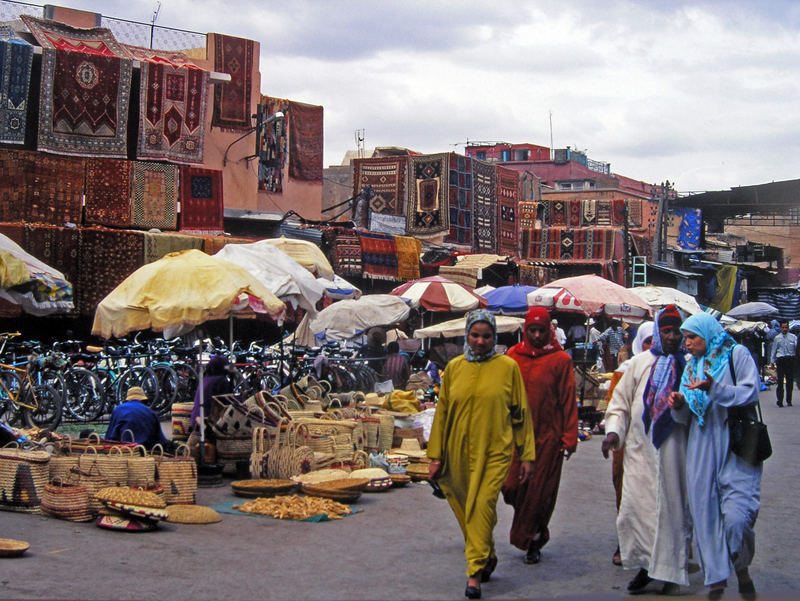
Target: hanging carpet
<point>85,90</point>
<point>484,202</point>
<point>172,106</point>
<point>427,207</point>
<point>460,200</point>
<point>16,58</point>
<point>408,253</point>
<point>271,144</point>
<point>233,56</point>
<point>305,142</point>
<point>201,200</point>
<point>155,195</point>
<point>604,212</point>
<point>108,192</point>
<point>344,250</point>
<point>387,178</point>
<point>589,210</point>
<point>54,188</point>
<point>59,247</point>
<point>558,213</point>
<point>508,196</point>
<point>378,255</point>
<point>106,258</point>
<point>575,208</point>
<point>527,214</point>
<point>12,183</point>
<point>156,245</point>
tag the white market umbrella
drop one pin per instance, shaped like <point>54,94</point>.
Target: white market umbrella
<point>659,297</point>
<point>755,309</point>
<point>348,318</point>
<point>455,327</point>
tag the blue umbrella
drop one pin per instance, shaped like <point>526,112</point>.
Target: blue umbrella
<point>509,300</point>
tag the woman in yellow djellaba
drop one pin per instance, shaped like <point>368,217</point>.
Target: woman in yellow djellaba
<point>481,418</point>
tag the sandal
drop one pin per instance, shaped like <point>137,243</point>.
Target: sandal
<point>486,573</point>
<point>616,559</point>
<point>472,592</point>
<point>639,583</point>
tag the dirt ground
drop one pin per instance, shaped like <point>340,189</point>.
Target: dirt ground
<point>405,544</point>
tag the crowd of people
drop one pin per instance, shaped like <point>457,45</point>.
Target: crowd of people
<point>505,424</point>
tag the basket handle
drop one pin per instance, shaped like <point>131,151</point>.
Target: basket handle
<point>127,431</point>
<point>160,448</point>
<point>94,436</point>
<point>139,449</point>
<point>91,448</point>
<point>182,450</point>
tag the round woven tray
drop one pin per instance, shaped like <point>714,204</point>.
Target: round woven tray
<point>399,480</point>
<point>323,475</point>
<point>262,487</point>
<point>13,548</point>
<point>192,514</point>
<point>341,495</point>
<point>417,471</point>
<point>379,485</point>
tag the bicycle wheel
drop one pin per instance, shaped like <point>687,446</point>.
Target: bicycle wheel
<point>138,375</point>
<point>85,397</point>
<point>47,414</point>
<point>167,387</point>
<point>10,385</point>
<point>187,382</point>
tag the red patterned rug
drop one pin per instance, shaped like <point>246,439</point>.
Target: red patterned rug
<point>14,231</point>
<point>232,100</point>
<point>484,198</point>
<point>271,144</point>
<point>460,200</point>
<point>527,214</point>
<point>508,196</point>
<point>108,192</point>
<point>575,213</point>
<point>305,142</point>
<point>378,255</point>
<point>387,178</point>
<point>85,90</point>
<point>106,258</point>
<point>343,250</point>
<point>54,187</point>
<point>13,165</point>
<point>427,210</point>
<point>201,200</point>
<point>172,106</point>
<point>154,195</point>
<point>59,247</point>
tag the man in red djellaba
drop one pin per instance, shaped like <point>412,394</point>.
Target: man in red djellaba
<point>550,386</point>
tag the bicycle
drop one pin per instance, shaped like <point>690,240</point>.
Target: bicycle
<point>25,396</point>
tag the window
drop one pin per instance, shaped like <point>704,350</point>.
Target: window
<point>521,154</point>
<point>505,155</point>
<point>481,155</point>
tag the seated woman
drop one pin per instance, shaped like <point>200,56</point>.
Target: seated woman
<point>215,381</point>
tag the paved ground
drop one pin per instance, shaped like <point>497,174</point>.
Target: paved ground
<point>405,545</point>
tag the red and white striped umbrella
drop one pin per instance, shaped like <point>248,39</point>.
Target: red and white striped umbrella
<point>436,293</point>
<point>591,295</point>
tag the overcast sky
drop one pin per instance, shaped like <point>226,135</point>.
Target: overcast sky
<point>704,94</point>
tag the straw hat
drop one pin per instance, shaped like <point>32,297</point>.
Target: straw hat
<point>411,448</point>
<point>135,393</point>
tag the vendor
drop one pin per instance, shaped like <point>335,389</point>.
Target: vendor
<point>215,381</point>
<point>138,419</point>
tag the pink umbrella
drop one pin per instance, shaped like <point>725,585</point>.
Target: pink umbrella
<point>436,293</point>
<point>591,295</point>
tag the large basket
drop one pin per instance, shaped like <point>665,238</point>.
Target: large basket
<point>178,476</point>
<point>93,481</point>
<point>66,501</point>
<point>113,466</point>
<point>23,476</point>
<point>141,469</point>
<point>60,466</point>
<point>181,421</point>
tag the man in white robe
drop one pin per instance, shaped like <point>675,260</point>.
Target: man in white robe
<point>653,523</point>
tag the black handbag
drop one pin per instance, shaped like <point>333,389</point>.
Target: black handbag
<point>749,438</point>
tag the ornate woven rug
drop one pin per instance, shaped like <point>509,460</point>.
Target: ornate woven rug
<point>201,200</point>
<point>408,253</point>
<point>16,58</point>
<point>575,208</point>
<point>12,183</point>
<point>603,212</point>
<point>15,231</point>
<point>378,255</point>
<point>271,144</point>
<point>460,199</point>
<point>527,214</point>
<point>54,187</point>
<point>508,197</point>
<point>484,202</point>
<point>618,212</point>
<point>232,100</point>
<point>59,247</point>
<point>305,142</point>
<point>154,195</point>
<point>343,250</point>
<point>589,212</point>
<point>387,178</point>
<point>158,245</point>
<point>106,258</point>
<point>557,213</point>
<point>85,90</point>
<point>172,106</point>
<point>635,212</point>
<point>108,192</point>
<point>427,209</point>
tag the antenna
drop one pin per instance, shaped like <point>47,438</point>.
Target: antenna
<point>153,22</point>
<point>360,136</point>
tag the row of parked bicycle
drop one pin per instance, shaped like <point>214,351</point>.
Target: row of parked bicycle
<point>41,385</point>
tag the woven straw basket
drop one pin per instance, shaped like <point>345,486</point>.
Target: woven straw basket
<point>23,476</point>
<point>178,476</point>
<point>66,501</point>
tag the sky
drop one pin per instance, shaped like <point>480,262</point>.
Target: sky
<point>703,93</point>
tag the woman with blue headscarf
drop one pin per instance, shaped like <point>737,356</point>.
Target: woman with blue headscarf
<point>481,418</point>
<point>724,490</point>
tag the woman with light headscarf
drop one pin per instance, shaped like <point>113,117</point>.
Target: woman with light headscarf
<point>481,418</point>
<point>724,490</point>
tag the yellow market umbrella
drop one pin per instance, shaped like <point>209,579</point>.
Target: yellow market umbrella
<point>306,253</point>
<point>182,288</point>
<point>12,270</point>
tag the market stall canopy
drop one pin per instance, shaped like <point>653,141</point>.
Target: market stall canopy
<point>509,300</point>
<point>339,288</point>
<point>282,275</point>
<point>659,297</point>
<point>183,288</point>
<point>591,295</point>
<point>455,327</point>
<point>469,268</point>
<point>26,281</point>
<point>348,318</point>
<point>308,254</point>
<point>755,309</point>
<point>436,293</point>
